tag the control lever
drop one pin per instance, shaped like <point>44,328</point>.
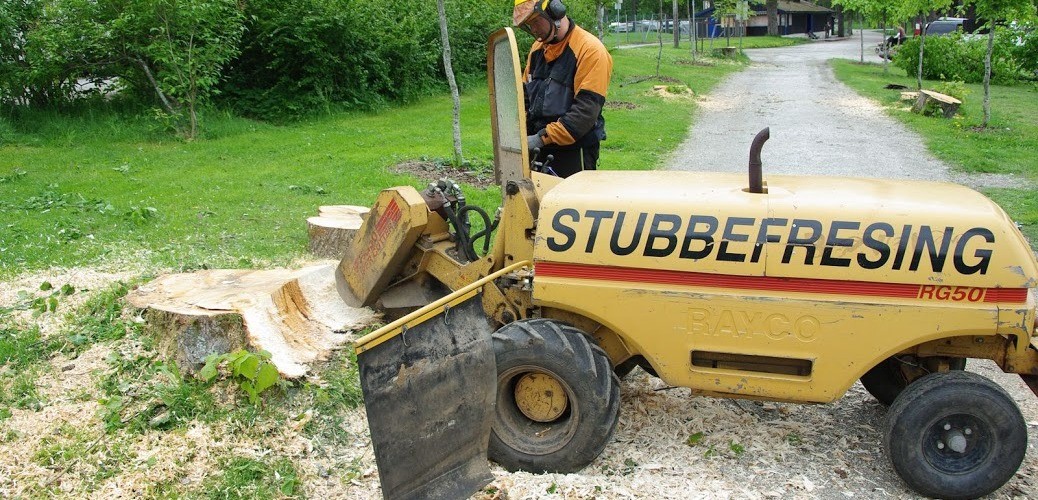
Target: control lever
<point>544,166</point>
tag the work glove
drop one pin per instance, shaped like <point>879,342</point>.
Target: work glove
<point>534,141</point>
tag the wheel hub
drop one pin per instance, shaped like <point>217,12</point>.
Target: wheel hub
<point>954,439</point>
<point>540,397</point>
<point>957,444</point>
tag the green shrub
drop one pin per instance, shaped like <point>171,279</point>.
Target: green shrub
<point>954,57</point>
<point>48,49</point>
<point>1023,41</point>
<point>953,88</point>
<point>302,56</point>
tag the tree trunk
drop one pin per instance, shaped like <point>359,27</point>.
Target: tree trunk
<point>742,31</point>
<point>659,38</point>
<point>600,15</point>
<point>987,75</point>
<point>886,60</point>
<point>193,127</point>
<point>861,34</point>
<point>677,25</point>
<point>166,104</point>
<point>839,19</point>
<point>728,31</point>
<point>693,32</point>
<point>192,100</point>
<point>772,17</point>
<point>919,73</point>
<point>449,70</point>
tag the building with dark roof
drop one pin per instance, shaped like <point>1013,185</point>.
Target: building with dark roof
<point>794,16</point>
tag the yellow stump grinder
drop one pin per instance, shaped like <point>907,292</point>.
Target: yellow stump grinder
<point>786,290</point>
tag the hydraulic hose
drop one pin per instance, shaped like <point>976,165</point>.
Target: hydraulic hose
<point>464,245</point>
<point>488,227</point>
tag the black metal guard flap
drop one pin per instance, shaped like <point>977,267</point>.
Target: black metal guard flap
<point>429,395</point>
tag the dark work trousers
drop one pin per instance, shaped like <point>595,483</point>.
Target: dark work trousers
<point>570,160</point>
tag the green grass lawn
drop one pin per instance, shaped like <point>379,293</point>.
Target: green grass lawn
<point>100,188</point>
<point>1007,146</point>
<point>113,191</point>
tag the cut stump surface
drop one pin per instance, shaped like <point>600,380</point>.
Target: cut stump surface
<point>331,231</point>
<point>295,315</point>
<point>948,104</point>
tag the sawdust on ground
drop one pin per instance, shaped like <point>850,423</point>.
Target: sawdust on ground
<point>83,280</point>
<point>744,449</point>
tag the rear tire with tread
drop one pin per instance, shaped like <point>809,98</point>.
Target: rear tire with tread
<point>582,368</point>
<point>943,411</point>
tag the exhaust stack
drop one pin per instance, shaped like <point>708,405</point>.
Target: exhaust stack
<point>756,166</point>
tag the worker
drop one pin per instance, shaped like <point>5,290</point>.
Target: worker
<point>897,39</point>
<point>566,79</point>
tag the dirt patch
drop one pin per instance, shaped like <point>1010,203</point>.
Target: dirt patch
<point>697,62</point>
<point>620,105</point>
<point>673,92</point>
<point>433,171</point>
<point>660,79</point>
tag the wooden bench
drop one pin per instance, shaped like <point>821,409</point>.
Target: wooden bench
<point>949,105</point>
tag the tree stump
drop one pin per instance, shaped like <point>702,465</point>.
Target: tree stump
<point>296,315</point>
<point>331,232</point>
<point>948,104</point>
<point>728,52</point>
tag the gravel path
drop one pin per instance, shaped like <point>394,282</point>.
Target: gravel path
<point>818,125</point>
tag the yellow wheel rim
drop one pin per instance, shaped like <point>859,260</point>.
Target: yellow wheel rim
<point>540,397</point>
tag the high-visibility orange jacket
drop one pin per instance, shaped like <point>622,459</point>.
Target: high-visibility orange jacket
<point>565,88</point>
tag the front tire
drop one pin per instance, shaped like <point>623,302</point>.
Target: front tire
<point>955,435</point>
<point>558,399</point>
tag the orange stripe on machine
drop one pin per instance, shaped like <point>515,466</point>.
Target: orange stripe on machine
<point>775,284</point>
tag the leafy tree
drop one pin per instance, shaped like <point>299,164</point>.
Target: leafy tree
<point>885,11</point>
<point>991,11</point>
<point>176,49</point>
<point>869,8</point>
<point>921,8</point>
<point>15,19</point>
<point>726,9</point>
<point>191,42</point>
<point>304,56</point>
<point>39,62</point>
<point>958,58</point>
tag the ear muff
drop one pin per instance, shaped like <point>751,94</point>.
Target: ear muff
<point>555,9</point>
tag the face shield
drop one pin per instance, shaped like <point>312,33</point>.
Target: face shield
<point>529,19</point>
<point>522,11</point>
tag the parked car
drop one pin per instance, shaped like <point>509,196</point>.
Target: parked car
<point>648,25</point>
<point>621,27</point>
<point>945,25</point>
<point>668,26</point>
